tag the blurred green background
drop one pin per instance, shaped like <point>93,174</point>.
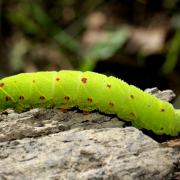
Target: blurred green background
<point>136,40</point>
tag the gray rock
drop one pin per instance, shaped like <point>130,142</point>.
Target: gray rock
<point>49,144</point>
<point>38,122</point>
<point>165,95</point>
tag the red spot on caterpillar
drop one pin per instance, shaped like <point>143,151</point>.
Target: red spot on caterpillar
<point>8,98</point>
<point>21,98</point>
<point>67,98</point>
<point>63,110</point>
<point>131,114</point>
<point>2,85</point>
<point>84,80</point>
<point>111,104</point>
<point>57,78</point>
<point>132,96</point>
<point>89,99</point>
<point>162,110</point>
<point>109,85</point>
<point>42,98</point>
<point>86,112</point>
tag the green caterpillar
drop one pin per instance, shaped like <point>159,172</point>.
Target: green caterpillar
<point>89,91</point>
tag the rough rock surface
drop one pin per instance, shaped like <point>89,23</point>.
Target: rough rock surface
<point>49,144</point>
<point>39,122</point>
